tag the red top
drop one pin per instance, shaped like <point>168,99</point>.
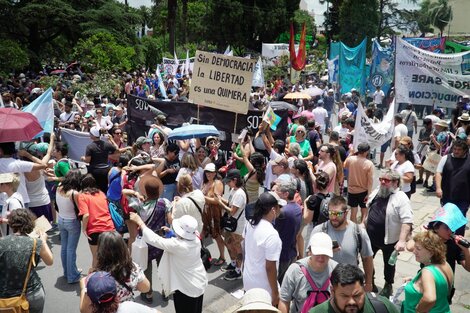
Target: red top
<point>96,205</point>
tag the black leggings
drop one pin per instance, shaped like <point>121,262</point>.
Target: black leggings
<point>187,304</point>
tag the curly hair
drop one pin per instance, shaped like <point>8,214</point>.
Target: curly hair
<point>259,163</point>
<point>113,256</point>
<point>21,221</point>
<point>434,244</point>
<point>72,181</point>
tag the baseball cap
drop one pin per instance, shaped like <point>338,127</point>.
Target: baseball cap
<point>141,140</point>
<point>232,174</point>
<point>269,199</point>
<point>279,160</point>
<point>101,287</point>
<point>210,167</point>
<point>257,299</point>
<point>321,244</point>
<point>95,131</point>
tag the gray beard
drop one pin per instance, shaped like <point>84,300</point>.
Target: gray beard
<point>385,192</point>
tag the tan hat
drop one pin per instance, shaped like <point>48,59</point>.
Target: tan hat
<point>6,178</point>
<point>465,117</point>
<point>441,123</point>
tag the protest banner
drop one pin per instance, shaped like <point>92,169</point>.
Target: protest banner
<point>272,52</point>
<point>43,108</point>
<point>375,134</point>
<point>427,78</point>
<point>436,45</point>
<point>381,69</point>
<point>333,62</point>
<point>352,64</point>
<point>453,47</point>
<point>170,66</point>
<point>77,142</point>
<point>141,114</point>
<point>222,82</point>
<point>258,76</point>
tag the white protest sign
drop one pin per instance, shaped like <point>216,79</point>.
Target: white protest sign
<point>222,82</point>
<point>271,52</point>
<point>423,77</point>
<point>375,134</point>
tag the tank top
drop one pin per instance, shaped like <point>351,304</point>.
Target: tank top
<point>412,296</point>
<point>114,189</point>
<point>37,191</point>
<point>65,206</point>
<point>252,188</point>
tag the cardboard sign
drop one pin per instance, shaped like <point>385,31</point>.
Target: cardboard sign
<point>222,82</point>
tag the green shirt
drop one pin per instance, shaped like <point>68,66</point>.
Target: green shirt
<point>326,307</point>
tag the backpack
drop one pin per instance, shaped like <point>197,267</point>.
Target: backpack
<point>117,218</point>
<point>377,304</point>
<point>357,232</point>
<point>315,296</point>
<point>324,215</point>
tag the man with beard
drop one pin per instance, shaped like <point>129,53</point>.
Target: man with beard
<point>348,294</point>
<point>352,239</point>
<point>388,222</point>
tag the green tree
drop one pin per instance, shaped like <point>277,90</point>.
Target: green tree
<point>331,22</point>
<point>358,19</point>
<point>441,14</point>
<point>12,56</point>
<point>416,21</point>
<point>102,52</point>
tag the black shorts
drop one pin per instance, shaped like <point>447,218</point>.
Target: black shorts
<point>94,239</point>
<point>357,199</point>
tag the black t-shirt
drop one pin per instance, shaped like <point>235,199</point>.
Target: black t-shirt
<point>313,137</point>
<point>454,254</point>
<point>313,204</point>
<point>99,151</point>
<point>376,220</point>
<point>170,178</point>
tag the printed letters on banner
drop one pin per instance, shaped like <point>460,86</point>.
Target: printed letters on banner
<point>222,82</point>
<point>427,78</point>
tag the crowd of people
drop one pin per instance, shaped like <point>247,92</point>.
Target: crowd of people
<point>254,201</point>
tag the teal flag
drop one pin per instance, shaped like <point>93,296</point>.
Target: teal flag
<point>333,62</point>
<point>352,67</point>
<point>43,109</point>
<point>382,68</point>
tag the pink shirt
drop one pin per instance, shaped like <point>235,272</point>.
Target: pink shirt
<point>330,168</point>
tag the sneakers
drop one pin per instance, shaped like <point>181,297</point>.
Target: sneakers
<point>232,275</point>
<point>227,268</point>
<point>431,189</point>
<point>419,182</point>
<point>387,290</point>
<point>425,184</point>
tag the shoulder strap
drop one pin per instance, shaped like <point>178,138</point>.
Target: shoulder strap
<point>357,231</point>
<point>324,227</point>
<point>197,205</point>
<point>25,285</point>
<point>408,117</point>
<point>114,176</point>
<point>377,304</point>
<point>311,282</point>
<point>75,206</point>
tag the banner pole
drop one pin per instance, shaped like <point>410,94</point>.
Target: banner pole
<point>394,73</point>
<point>235,124</point>
<point>197,114</point>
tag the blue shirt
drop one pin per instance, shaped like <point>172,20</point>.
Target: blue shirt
<point>288,225</point>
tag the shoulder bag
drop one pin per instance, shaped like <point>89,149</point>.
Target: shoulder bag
<point>19,304</point>
<point>206,256</point>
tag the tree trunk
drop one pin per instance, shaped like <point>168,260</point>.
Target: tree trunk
<point>34,48</point>
<point>172,6</point>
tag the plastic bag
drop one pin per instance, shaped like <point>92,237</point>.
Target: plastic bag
<point>140,252</point>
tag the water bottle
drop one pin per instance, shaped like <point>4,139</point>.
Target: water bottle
<point>462,241</point>
<point>393,258</point>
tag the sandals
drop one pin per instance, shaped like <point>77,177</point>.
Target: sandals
<point>218,262</point>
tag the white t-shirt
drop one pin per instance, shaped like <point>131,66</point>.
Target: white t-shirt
<point>378,96</point>
<point>197,176</point>
<point>320,115</point>
<point>406,167</point>
<point>400,131</point>
<point>270,177</point>
<point>417,159</point>
<point>10,165</point>
<point>12,203</point>
<point>238,198</point>
<point>65,117</point>
<point>433,118</point>
<point>342,131</point>
<point>262,242</point>
<point>409,121</point>
<point>134,307</point>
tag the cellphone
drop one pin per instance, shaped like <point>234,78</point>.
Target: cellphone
<point>335,244</point>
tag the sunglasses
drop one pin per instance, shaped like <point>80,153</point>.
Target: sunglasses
<point>118,133</point>
<point>300,132</point>
<point>336,214</point>
<point>385,180</point>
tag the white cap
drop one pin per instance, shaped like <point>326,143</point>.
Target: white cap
<point>321,244</point>
<point>95,131</point>
<point>185,227</point>
<point>210,167</point>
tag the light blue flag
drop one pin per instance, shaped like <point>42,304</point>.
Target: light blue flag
<point>160,83</point>
<point>333,62</point>
<point>382,68</point>
<point>352,65</point>
<point>258,75</point>
<point>43,109</point>
<point>450,215</point>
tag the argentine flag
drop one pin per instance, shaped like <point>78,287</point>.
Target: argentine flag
<point>43,109</point>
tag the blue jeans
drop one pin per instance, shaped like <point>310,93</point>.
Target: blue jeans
<point>169,191</point>
<point>69,236</point>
